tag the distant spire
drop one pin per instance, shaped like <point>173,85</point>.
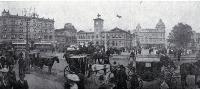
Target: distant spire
<point>160,24</point>
<point>138,27</point>
<point>4,10</point>
<point>98,15</point>
<point>119,16</point>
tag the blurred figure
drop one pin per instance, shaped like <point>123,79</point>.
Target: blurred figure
<point>121,78</point>
<point>164,85</point>
<point>21,63</point>
<point>198,55</point>
<point>21,83</point>
<point>71,82</point>
<point>12,77</point>
<point>179,54</point>
<point>4,83</point>
<point>134,81</point>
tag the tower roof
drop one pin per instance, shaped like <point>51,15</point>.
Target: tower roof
<point>138,26</point>
<point>160,23</point>
<point>98,17</point>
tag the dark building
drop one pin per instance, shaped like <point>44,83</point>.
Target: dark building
<point>65,36</point>
<point>13,29</point>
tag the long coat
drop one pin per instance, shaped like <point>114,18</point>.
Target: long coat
<point>22,85</point>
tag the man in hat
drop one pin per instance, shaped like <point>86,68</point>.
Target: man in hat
<point>72,80</point>
<point>134,80</point>
<point>4,83</point>
<point>21,63</point>
<point>121,78</point>
<point>12,77</point>
<point>21,83</point>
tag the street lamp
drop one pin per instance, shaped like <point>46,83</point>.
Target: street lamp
<point>27,46</point>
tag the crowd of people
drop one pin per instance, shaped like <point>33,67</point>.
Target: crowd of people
<point>8,76</point>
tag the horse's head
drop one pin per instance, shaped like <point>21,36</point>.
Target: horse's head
<point>56,59</point>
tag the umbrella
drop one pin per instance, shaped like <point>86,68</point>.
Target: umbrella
<point>73,77</point>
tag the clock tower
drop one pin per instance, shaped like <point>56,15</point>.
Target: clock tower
<point>98,28</point>
<point>98,24</point>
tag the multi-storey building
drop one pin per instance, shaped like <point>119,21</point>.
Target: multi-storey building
<point>113,38</point>
<point>13,28</point>
<point>65,36</point>
<point>151,37</point>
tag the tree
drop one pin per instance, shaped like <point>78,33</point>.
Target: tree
<point>180,35</point>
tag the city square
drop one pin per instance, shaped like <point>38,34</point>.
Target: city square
<point>82,45</point>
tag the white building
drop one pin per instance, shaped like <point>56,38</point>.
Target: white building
<point>151,37</point>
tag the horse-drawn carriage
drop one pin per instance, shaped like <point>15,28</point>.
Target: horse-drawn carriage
<point>84,65</point>
<point>77,64</point>
<point>148,68</point>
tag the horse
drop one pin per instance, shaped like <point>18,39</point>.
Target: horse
<point>189,69</point>
<point>45,61</point>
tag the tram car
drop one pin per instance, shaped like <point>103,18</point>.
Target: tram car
<point>148,68</point>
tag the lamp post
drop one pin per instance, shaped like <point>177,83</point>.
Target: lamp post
<point>27,47</point>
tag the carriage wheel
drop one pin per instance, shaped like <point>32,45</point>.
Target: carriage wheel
<point>110,78</point>
<point>67,70</point>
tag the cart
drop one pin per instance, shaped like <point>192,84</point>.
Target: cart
<point>77,64</point>
<point>148,68</point>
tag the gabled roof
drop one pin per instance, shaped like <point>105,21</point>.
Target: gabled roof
<point>81,31</point>
<point>118,30</point>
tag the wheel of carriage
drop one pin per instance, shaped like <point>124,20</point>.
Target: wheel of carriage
<point>67,70</point>
<point>110,78</point>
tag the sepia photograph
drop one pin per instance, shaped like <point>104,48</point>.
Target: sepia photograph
<point>100,44</point>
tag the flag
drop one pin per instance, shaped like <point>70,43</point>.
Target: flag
<point>119,16</point>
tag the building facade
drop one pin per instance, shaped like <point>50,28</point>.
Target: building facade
<point>65,36</point>
<point>113,38</point>
<point>151,37</point>
<point>14,28</point>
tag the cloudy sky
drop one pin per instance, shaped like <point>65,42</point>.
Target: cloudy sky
<point>82,13</point>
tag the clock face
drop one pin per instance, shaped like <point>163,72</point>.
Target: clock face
<point>96,23</point>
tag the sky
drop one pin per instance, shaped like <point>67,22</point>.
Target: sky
<point>82,13</point>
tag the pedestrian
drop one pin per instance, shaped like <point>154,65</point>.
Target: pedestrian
<point>179,54</point>
<point>134,81</point>
<point>164,85</point>
<point>67,56</point>
<point>22,83</point>
<point>71,82</point>
<point>9,60</point>
<point>12,77</point>
<point>132,55</point>
<point>4,83</point>
<point>198,55</point>
<point>121,78</point>
<point>21,63</point>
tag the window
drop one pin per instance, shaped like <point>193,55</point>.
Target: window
<point>13,36</point>
<point>20,36</point>
<point>5,29</point>
<point>45,37</point>
<point>4,36</point>
<point>50,37</point>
